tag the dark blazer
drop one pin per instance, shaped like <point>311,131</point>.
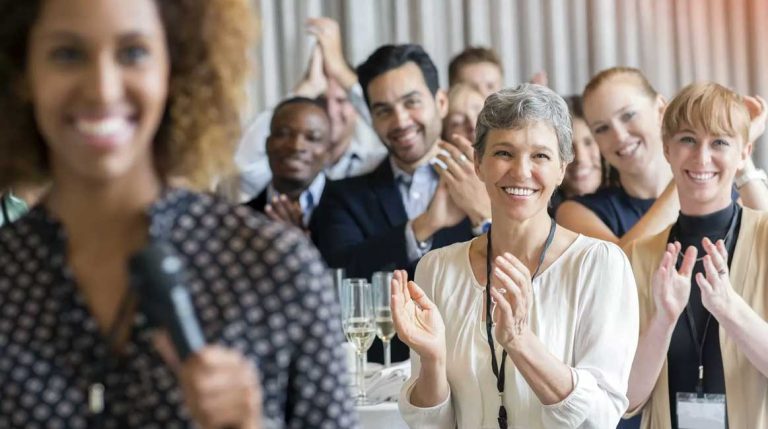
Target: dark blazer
<point>258,203</point>
<point>360,226</point>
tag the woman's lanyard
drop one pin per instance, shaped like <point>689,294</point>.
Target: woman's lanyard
<point>699,342</point>
<point>96,390</point>
<point>502,419</point>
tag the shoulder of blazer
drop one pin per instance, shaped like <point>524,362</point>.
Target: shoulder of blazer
<point>259,202</point>
<point>381,176</point>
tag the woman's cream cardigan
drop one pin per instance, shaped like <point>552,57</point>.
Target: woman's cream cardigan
<point>746,388</point>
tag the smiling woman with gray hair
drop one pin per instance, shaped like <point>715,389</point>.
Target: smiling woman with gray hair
<point>560,307</point>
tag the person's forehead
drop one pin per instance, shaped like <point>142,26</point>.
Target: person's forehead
<point>299,113</point>
<point>532,133</point>
<point>465,99</point>
<point>92,17</point>
<point>485,67</point>
<point>405,78</point>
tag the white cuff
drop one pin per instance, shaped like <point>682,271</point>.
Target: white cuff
<point>439,416</point>
<point>574,408</point>
<point>413,247</point>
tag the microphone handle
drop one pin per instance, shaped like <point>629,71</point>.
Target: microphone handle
<point>182,325</point>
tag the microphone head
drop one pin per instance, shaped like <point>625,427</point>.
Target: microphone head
<point>157,275</point>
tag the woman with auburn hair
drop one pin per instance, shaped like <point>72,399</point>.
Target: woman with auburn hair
<point>703,345</point>
<point>110,101</point>
<point>624,113</point>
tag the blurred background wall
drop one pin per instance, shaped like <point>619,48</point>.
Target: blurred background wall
<point>674,42</point>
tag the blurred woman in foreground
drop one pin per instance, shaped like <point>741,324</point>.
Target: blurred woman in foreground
<point>111,100</point>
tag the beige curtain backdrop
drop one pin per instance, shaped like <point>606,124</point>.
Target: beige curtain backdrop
<point>674,42</point>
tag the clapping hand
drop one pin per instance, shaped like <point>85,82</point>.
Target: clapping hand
<point>314,83</point>
<point>328,35</point>
<point>512,294</point>
<point>466,189</point>
<point>758,113</point>
<point>671,287</point>
<point>283,209</point>
<point>540,78</point>
<point>717,294</point>
<point>417,321</point>
<point>443,209</point>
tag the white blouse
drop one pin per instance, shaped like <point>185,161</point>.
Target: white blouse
<point>584,311</point>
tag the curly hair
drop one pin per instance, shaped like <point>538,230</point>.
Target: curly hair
<point>207,43</point>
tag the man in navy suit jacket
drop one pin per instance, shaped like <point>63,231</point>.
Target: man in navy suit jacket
<point>425,195</point>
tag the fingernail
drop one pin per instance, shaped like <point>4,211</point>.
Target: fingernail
<point>439,163</point>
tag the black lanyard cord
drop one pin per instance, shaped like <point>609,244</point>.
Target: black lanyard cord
<point>699,342</point>
<point>699,346</point>
<point>499,373</point>
<point>96,390</point>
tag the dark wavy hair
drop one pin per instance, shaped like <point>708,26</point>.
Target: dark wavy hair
<point>208,42</point>
<point>390,57</point>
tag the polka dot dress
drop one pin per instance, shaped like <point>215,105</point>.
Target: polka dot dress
<point>257,287</point>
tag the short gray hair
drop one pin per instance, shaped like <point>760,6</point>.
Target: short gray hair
<point>515,108</point>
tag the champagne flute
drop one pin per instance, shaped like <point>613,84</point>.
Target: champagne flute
<point>385,327</point>
<point>338,278</point>
<point>359,326</point>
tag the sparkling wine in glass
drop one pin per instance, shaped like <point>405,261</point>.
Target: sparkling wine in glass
<point>385,327</point>
<point>357,317</point>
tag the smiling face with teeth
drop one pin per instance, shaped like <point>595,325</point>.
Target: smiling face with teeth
<point>298,145</point>
<point>626,123</point>
<point>584,173</point>
<point>406,116</point>
<point>706,132</point>
<point>704,167</point>
<point>521,169</point>
<point>97,75</point>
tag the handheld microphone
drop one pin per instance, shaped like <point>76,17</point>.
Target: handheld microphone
<point>157,276</point>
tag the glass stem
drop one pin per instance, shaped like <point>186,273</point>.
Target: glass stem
<point>361,375</point>
<point>387,355</point>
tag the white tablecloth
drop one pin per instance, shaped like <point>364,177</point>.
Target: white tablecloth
<point>381,416</point>
<point>380,384</point>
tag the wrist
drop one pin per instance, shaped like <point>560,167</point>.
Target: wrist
<point>731,314</point>
<point>748,175</point>
<point>345,76</point>
<point>662,323</point>
<point>306,89</point>
<point>480,228</point>
<point>433,366</point>
<point>477,216</point>
<point>749,165</point>
<point>431,386</point>
<point>423,227</point>
<point>520,343</point>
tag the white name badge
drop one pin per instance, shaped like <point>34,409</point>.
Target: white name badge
<point>707,412</point>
